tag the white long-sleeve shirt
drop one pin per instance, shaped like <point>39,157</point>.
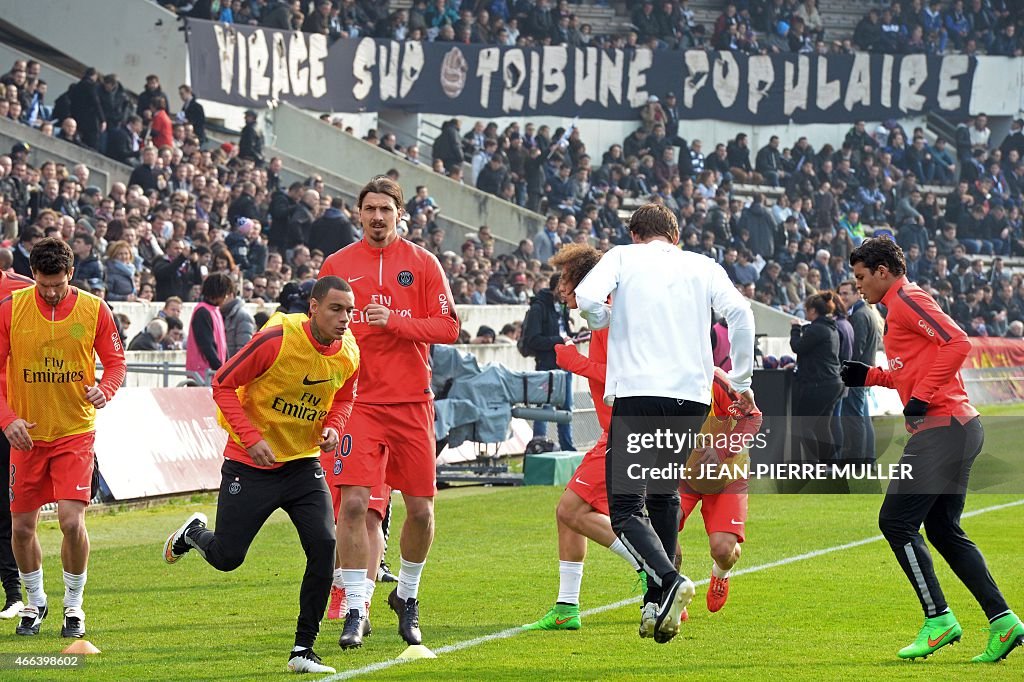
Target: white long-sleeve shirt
<point>659,343</point>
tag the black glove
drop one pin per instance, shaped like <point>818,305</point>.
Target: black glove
<point>854,373</point>
<point>915,412</point>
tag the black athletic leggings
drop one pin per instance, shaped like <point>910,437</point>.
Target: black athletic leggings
<point>650,538</point>
<point>940,460</point>
<point>248,496</point>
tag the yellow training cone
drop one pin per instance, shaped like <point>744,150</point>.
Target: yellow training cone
<point>417,651</point>
<point>81,646</point>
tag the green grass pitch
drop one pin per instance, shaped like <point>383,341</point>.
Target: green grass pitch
<point>839,615</point>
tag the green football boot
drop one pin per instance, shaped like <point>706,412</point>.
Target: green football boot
<point>936,633</point>
<point>1005,633</point>
<point>560,617</point>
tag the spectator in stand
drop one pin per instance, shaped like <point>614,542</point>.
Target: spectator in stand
<point>738,153</point>
<point>333,230</point>
<point>192,112</point>
<point>86,109</point>
<point>808,13</point>
<point>980,133</point>
<point>69,131</point>
<point>120,272</point>
<point>124,143</point>
<point>151,336</point>
<point>87,263</point>
<point>27,239</point>
<point>250,143</point>
<point>239,325</point>
<point>301,218</point>
<point>150,90</point>
<point>176,272</point>
<point>868,33</point>
<point>770,164</point>
<point>161,128</point>
<point>958,25</point>
<point>146,175</point>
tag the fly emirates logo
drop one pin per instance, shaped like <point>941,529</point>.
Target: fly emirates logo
<point>359,317</point>
<point>53,371</point>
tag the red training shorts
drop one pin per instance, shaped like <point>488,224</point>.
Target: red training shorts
<point>588,481</point>
<point>724,512</point>
<point>61,470</point>
<point>333,465</point>
<point>389,444</point>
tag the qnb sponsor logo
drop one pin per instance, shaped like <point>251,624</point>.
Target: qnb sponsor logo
<point>443,301</point>
<point>896,364</point>
<point>307,409</point>
<point>924,325</point>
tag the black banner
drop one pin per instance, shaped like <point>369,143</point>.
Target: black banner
<point>249,66</point>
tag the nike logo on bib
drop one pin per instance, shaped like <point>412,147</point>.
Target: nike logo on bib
<point>78,487</point>
<point>318,474</point>
<point>306,381</point>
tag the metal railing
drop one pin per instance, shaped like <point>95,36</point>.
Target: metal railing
<point>168,369</point>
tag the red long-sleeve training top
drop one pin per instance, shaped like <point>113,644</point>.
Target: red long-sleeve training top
<point>408,280</point>
<point>925,349</point>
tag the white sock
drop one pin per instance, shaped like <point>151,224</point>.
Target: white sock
<point>409,579</point>
<point>74,585</point>
<point>355,583</point>
<point>621,550</point>
<point>370,586</point>
<point>718,571</point>
<point>339,578</point>
<point>570,577</point>
<point>33,583</point>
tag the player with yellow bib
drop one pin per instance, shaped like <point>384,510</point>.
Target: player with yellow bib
<point>50,336</point>
<point>283,398</point>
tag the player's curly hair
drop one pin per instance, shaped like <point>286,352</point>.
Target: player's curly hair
<point>576,261</point>
<point>880,251</point>
<point>51,256</point>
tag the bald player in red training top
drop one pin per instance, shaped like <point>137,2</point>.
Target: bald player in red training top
<point>403,304</point>
<point>51,334</point>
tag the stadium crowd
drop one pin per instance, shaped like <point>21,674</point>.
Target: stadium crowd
<point>753,26</point>
<point>192,207</point>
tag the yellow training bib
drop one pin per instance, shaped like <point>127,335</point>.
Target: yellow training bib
<point>51,363</point>
<point>289,402</point>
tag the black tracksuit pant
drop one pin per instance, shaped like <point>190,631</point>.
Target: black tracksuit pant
<point>248,496</point>
<point>651,538</point>
<point>941,460</point>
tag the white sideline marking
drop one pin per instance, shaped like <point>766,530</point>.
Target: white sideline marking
<point>512,632</point>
